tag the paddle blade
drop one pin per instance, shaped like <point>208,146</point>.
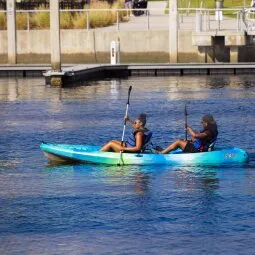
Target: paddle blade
<point>129,91</point>
<point>185,111</point>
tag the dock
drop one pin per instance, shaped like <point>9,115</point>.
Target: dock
<point>71,74</point>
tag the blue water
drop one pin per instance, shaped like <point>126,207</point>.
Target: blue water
<point>96,209</point>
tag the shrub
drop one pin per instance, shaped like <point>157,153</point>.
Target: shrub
<point>21,21</point>
<point>119,4</point>
<point>100,18</point>
<point>66,20</point>
<point>79,20</point>
<point>40,20</point>
<point>69,20</point>
<point>3,24</point>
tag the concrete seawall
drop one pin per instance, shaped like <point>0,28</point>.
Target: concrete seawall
<point>80,46</point>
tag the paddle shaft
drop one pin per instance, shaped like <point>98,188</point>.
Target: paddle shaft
<point>186,122</point>
<point>124,127</point>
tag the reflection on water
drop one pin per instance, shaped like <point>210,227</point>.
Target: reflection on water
<point>12,89</point>
<point>97,209</point>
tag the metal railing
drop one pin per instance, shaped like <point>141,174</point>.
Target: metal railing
<point>195,19</point>
<point>208,19</point>
<point>31,5</point>
<point>248,19</point>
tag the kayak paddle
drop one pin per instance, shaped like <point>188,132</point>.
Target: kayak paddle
<point>124,127</point>
<point>186,120</point>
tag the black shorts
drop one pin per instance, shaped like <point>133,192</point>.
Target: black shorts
<point>190,148</point>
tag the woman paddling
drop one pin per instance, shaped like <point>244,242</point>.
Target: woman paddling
<point>139,137</point>
<point>201,141</point>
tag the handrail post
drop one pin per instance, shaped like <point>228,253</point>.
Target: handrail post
<point>28,23</point>
<point>87,16</point>
<point>209,19</point>
<point>205,20</point>
<point>237,19</point>
<point>118,26</point>
<point>148,20</point>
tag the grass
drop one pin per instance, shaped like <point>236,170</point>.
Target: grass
<point>210,4</point>
<point>72,20</point>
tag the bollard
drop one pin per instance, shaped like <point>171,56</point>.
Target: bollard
<point>113,53</point>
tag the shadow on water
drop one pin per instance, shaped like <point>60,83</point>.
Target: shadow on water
<point>183,177</point>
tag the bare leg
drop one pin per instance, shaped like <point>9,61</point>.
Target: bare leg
<point>175,145</point>
<point>112,146</point>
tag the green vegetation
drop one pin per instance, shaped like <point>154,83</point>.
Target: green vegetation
<point>72,20</point>
<point>78,20</point>
<point>210,4</point>
<point>3,24</point>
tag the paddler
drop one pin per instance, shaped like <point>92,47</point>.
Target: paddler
<point>139,137</point>
<point>201,141</point>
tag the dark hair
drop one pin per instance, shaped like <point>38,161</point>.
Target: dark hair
<point>142,118</point>
<point>208,118</point>
<point>211,123</point>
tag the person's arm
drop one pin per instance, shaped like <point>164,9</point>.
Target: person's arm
<point>132,123</point>
<point>139,143</point>
<point>198,135</point>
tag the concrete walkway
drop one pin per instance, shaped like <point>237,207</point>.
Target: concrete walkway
<point>158,20</point>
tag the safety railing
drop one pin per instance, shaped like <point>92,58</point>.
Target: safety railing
<point>195,19</point>
<point>248,19</point>
<point>205,19</point>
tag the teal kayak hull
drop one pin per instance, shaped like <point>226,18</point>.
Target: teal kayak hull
<point>91,154</point>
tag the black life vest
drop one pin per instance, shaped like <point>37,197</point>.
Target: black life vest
<point>147,134</point>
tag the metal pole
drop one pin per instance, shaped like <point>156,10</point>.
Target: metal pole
<point>237,19</point>
<point>148,20</point>
<point>118,51</point>
<point>28,25</point>
<point>205,21</point>
<point>87,16</point>
<point>118,25</point>
<point>208,24</point>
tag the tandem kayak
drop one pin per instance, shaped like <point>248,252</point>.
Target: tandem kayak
<point>92,154</point>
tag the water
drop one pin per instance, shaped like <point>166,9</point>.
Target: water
<point>96,209</point>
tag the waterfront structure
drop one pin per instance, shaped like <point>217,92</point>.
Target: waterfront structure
<point>165,38</point>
